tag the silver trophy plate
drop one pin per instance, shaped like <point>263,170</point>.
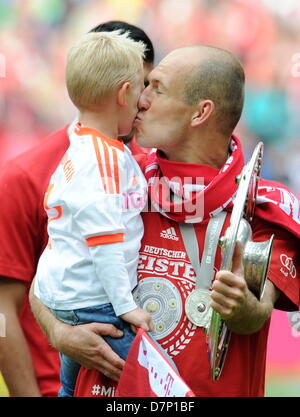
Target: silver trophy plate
<point>197,307</point>
<point>218,335</point>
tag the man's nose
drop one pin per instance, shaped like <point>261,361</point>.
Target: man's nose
<point>144,100</point>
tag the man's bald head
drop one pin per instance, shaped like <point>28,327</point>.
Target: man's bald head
<point>214,74</point>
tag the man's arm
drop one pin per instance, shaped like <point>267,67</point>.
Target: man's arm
<point>82,343</point>
<point>232,299</point>
<point>15,357</point>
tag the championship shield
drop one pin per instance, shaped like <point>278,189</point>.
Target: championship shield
<point>256,255</point>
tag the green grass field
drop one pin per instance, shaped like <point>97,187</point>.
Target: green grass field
<point>283,383</point>
<point>276,386</point>
<point>283,386</point>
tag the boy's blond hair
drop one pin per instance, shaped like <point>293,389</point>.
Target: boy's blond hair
<point>99,62</point>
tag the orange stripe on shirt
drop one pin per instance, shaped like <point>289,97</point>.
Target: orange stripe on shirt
<point>82,131</point>
<point>105,239</point>
<point>118,143</point>
<point>98,156</point>
<point>108,168</point>
<point>116,171</point>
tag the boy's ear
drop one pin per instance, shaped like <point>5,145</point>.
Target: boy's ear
<point>122,94</point>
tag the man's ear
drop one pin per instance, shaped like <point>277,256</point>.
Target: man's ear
<point>203,112</point>
<point>122,94</point>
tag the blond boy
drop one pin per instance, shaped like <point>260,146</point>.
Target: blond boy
<point>88,270</point>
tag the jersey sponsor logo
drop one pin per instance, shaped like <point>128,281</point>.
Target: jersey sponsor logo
<point>169,234</point>
<point>288,268</point>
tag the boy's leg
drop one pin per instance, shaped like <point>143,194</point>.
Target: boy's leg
<point>68,375</point>
<point>68,368</point>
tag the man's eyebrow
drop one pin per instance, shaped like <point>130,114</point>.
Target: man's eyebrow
<point>157,82</point>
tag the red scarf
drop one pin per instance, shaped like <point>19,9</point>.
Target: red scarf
<point>191,193</point>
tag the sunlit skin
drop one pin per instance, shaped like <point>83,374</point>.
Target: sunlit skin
<point>163,114</point>
<point>147,69</point>
<point>129,104</point>
<point>165,121</point>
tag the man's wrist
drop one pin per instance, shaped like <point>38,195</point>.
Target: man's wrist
<point>57,334</point>
<point>251,318</point>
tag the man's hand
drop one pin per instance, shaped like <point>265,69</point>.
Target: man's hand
<point>229,290</point>
<point>84,344</point>
<point>232,299</point>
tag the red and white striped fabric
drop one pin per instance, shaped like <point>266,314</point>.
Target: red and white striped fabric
<point>149,372</point>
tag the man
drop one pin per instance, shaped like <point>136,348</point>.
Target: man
<point>189,111</point>
<point>29,365</point>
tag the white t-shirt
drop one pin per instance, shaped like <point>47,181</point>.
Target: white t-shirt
<point>93,205</point>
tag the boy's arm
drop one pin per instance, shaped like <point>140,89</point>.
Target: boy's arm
<point>110,268</point>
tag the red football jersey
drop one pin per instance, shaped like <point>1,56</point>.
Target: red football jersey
<point>23,236</point>
<point>166,278</point>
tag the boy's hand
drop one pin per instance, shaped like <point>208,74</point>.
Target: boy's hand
<point>139,318</point>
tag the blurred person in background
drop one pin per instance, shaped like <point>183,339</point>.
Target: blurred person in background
<point>189,110</point>
<point>29,365</point>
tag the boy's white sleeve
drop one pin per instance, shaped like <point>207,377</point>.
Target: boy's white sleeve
<point>110,268</point>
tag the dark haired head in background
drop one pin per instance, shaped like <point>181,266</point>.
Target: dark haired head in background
<point>136,33</point>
